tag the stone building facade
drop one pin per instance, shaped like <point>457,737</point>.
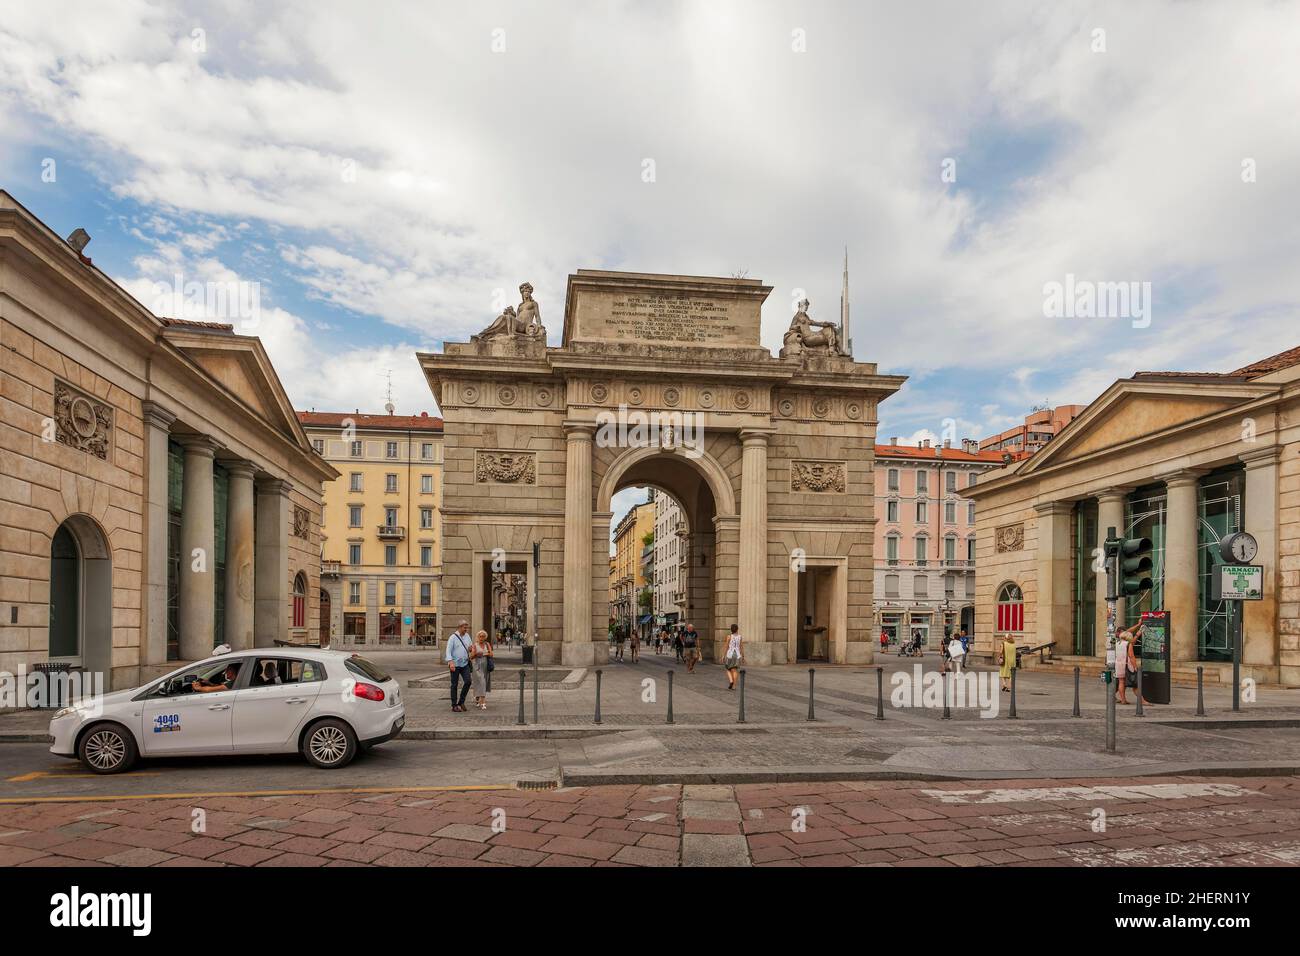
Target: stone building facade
<point>662,381</point>
<point>157,495</point>
<point>1183,458</point>
<point>925,538</point>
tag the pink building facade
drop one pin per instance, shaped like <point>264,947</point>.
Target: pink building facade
<point>925,538</point>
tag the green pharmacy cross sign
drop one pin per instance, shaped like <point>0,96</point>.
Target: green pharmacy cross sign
<point>1241,582</point>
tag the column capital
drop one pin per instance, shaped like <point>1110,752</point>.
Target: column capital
<point>1054,507</point>
<point>198,445</point>
<point>240,469</point>
<point>1183,477</point>
<point>1261,458</point>
<point>155,415</point>
<point>575,430</point>
<point>755,436</point>
<point>1114,492</point>
<point>274,486</point>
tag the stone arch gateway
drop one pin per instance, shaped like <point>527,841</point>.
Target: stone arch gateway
<point>662,380</point>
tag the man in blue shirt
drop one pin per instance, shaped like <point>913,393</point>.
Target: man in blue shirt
<point>457,658</point>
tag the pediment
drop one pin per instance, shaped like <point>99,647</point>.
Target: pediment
<point>1128,412</point>
<point>240,366</point>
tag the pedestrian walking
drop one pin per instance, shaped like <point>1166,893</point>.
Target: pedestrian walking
<point>677,645</point>
<point>1008,661</point>
<point>481,665</point>
<point>956,653</point>
<point>1124,679</point>
<point>457,658</point>
<point>884,641</point>
<point>1134,662</point>
<point>735,656</point>
<point>636,645</point>
<point>690,648</point>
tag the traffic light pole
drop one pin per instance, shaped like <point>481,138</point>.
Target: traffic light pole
<point>1112,584</point>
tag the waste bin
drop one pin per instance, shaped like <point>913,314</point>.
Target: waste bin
<point>53,686</point>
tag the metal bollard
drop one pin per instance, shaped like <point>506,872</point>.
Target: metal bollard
<point>597,695</point>
<point>880,693</point>
<point>1012,715</point>
<point>522,679</point>
<point>1110,713</point>
<point>1139,691</point>
<point>536,684</point>
<point>947,715</point>
<point>1200,692</point>
<point>740,719</point>
<point>1075,712</point>
<point>670,697</point>
<point>811,713</point>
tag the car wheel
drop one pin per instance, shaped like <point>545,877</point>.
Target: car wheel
<point>107,748</point>
<point>329,744</point>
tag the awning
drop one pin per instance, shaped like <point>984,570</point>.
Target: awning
<point>646,619</point>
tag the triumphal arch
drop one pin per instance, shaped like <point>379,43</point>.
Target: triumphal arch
<point>661,380</point>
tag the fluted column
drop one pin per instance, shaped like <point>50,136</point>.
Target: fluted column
<point>577,648</point>
<point>1110,514</point>
<point>271,604</point>
<point>239,556</point>
<point>1054,583</point>
<point>752,590</point>
<point>197,607</point>
<point>1182,591</point>
<point>1260,646</point>
<point>157,421</point>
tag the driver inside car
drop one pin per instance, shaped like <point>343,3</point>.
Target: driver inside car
<point>202,686</point>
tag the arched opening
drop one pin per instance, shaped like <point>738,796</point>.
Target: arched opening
<point>81,596</point>
<point>685,494</point>
<point>1010,609</point>
<point>324,618</point>
<point>299,611</point>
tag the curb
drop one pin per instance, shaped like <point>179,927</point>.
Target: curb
<point>597,778</point>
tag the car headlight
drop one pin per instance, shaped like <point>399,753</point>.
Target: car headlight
<point>65,712</point>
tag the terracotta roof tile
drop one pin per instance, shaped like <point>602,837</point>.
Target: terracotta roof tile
<point>195,324</point>
<point>932,454</point>
<point>1273,363</point>
<point>422,422</point>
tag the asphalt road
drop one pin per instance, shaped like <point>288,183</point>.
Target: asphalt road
<point>30,771</point>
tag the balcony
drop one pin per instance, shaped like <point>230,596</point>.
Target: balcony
<point>391,532</point>
<point>330,569</point>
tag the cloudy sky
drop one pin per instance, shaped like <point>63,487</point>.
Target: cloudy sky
<point>389,173</point>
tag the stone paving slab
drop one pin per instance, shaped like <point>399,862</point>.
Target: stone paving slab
<point>1114,821</point>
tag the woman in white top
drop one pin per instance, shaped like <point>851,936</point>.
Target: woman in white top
<point>956,653</point>
<point>735,656</point>
<point>479,655</point>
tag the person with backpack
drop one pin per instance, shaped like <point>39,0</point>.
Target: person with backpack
<point>690,647</point>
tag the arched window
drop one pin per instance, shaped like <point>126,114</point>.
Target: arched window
<point>1011,608</point>
<point>300,600</point>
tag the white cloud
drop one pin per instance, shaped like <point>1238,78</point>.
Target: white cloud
<point>476,170</point>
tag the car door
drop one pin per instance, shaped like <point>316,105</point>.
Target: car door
<point>188,723</point>
<point>268,716</point>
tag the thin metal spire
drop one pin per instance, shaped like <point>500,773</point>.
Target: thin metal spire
<point>846,328</point>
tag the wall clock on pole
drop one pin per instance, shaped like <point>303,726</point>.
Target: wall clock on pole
<point>1240,547</point>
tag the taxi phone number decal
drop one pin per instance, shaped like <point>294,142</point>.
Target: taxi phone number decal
<point>166,723</point>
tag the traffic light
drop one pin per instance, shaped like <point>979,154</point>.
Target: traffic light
<point>1134,566</point>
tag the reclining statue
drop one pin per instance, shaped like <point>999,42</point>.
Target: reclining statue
<point>803,334</point>
<point>526,321</point>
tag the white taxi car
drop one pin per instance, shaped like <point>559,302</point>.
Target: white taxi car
<point>324,704</point>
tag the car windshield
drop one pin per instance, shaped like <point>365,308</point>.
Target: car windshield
<point>359,665</point>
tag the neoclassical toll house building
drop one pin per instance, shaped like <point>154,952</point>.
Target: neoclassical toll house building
<point>1181,458</point>
<point>157,494</point>
<point>661,380</point>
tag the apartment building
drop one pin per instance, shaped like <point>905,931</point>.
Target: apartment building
<point>925,537</point>
<point>1041,425</point>
<point>381,556</point>
<point>670,571</point>
<point>628,578</point>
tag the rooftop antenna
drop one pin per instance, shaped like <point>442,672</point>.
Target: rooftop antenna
<point>388,405</point>
<point>846,328</point>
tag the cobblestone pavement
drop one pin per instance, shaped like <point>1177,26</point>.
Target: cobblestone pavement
<point>1172,821</point>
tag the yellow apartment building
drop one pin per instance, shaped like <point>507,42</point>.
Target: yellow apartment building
<point>628,577</point>
<point>381,534</point>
